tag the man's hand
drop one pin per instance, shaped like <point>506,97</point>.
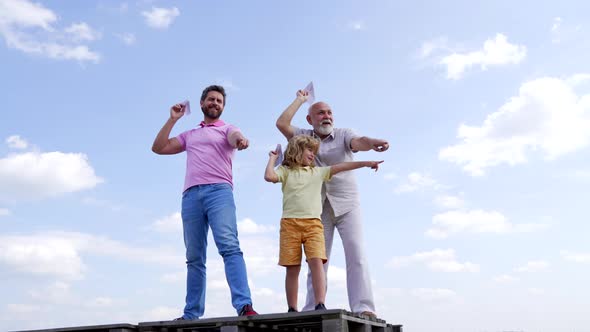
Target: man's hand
<point>302,96</point>
<point>379,145</point>
<point>242,143</point>
<point>177,111</point>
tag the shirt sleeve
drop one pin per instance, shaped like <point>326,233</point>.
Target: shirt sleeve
<point>281,173</point>
<point>230,129</point>
<point>349,134</point>
<point>325,173</point>
<point>301,131</point>
<point>182,139</point>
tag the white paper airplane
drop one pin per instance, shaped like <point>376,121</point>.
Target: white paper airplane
<point>279,152</point>
<point>311,93</point>
<point>186,106</point>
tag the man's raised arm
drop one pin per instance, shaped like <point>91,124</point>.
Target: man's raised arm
<point>163,144</point>
<point>284,120</point>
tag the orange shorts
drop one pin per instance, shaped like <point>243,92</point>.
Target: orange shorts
<point>297,231</point>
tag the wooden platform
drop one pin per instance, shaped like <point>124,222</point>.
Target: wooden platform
<point>334,320</point>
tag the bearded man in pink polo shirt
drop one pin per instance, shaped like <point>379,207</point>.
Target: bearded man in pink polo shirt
<point>207,199</point>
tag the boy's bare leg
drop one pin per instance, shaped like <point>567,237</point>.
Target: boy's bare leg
<point>318,279</point>
<point>292,285</point>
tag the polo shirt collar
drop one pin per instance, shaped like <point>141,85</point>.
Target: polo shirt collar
<point>217,123</point>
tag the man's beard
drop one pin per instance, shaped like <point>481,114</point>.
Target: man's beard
<point>211,113</point>
<point>325,129</point>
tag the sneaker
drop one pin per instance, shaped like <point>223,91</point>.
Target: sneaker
<point>320,306</point>
<point>179,318</point>
<point>247,310</point>
<point>291,309</point>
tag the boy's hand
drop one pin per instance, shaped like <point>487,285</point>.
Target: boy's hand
<point>374,164</point>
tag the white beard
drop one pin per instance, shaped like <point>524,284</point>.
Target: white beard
<point>324,129</point>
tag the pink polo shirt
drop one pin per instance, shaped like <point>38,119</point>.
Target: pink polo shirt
<point>208,154</point>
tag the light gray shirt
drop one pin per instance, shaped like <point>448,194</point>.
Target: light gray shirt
<point>341,191</point>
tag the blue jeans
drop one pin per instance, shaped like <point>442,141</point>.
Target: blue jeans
<point>204,206</point>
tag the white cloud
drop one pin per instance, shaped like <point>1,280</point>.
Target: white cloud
<point>533,266</point>
<point>102,204</point>
<point>495,52</point>
<point>160,18</point>
<point>38,175</point>
<point>248,226</point>
<point>4,212</point>
<point>433,46</point>
<point>264,292</point>
<point>162,313</point>
<point>168,224</point>
<point>16,142</point>
<point>577,257</point>
<point>28,27</point>
<point>174,278</point>
<point>546,116</point>
<point>536,291</point>
<point>127,38</point>
<point>561,32</point>
<point>336,277</point>
<point>433,294</point>
<point>59,254</point>
<point>357,25</point>
<point>18,309</point>
<point>448,202</point>
<point>442,260</point>
<point>228,84</point>
<point>475,221</point>
<point>101,302</point>
<point>505,278</point>
<point>261,253</point>
<point>417,181</point>
<point>42,256</point>
<point>81,32</point>
<point>578,79</point>
<point>58,292</point>
<point>556,24</point>
<point>26,14</point>
<point>389,176</point>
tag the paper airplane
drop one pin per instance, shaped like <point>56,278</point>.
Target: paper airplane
<point>279,152</point>
<point>186,107</point>
<point>311,93</point>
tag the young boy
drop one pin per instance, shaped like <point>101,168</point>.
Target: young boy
<point>302,207</point>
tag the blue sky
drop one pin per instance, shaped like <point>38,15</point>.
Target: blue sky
<point>477,221</point>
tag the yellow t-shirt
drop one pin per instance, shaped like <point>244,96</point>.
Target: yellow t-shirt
<point>302,190</point>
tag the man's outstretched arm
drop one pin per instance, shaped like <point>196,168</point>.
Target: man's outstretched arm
<point>238,140</point>
<point>366,143</point>
<point>284,120</point>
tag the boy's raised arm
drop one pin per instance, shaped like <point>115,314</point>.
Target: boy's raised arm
<point>349,166</point>
<point>269,174</point>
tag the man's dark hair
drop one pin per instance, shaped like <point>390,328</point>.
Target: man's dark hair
<point>210,88</point>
